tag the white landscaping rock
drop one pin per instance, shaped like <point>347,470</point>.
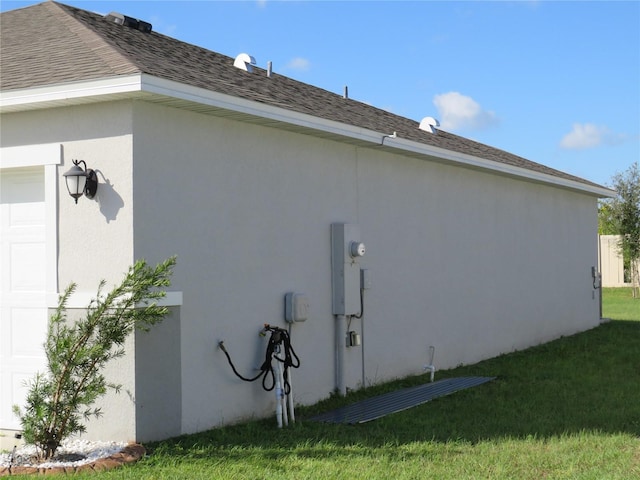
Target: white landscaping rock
<point>90,451</point>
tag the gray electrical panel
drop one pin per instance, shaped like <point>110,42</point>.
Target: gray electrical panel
<point>346,249</point>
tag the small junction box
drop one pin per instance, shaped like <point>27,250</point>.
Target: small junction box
<point>296,307</point>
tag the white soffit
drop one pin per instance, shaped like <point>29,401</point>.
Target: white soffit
<point>177,94</point>
<point>73,93</point>
<point>440,154</point>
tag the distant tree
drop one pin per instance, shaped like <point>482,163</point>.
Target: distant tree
<point>607,224</point>
<point>621,216</point>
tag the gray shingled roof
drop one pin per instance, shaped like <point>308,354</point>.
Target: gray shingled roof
<point>51,43</point>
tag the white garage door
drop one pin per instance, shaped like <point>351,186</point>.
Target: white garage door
<point>23,304</point>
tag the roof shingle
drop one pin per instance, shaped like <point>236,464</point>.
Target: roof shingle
<point>51,43</point>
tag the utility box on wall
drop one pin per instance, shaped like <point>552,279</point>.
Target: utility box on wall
<point>296,307</point>
<point>346,249</point>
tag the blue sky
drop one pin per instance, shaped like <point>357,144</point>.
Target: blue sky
<point>555,82</point>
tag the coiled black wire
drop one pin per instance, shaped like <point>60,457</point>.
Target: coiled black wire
<point>279,337</point>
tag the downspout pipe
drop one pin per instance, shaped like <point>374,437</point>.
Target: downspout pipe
<point>600,270</point>
<point>341,335</point>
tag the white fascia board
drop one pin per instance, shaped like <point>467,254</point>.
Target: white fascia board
<point>12,100</point>
<point>250,107</point>
<point>503,168</point>
<point>143,83</point>
<point>69,91</point>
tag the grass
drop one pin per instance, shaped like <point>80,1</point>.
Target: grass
<point>618,303</point>
<point>569,409</point>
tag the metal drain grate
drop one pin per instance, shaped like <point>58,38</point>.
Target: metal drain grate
<point>377,407</point>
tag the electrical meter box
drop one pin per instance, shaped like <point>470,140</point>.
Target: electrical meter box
<point>346,250</point>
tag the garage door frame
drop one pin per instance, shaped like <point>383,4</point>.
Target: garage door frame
<point>48,156</point>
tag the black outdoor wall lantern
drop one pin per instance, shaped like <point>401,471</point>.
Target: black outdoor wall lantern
<point>81,181</point>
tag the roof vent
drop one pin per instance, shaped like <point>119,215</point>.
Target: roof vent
<point>429,124</point>
<point>244,62</point>
<point>121,19</point>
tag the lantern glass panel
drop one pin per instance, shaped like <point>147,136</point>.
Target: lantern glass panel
<point>76,184</point>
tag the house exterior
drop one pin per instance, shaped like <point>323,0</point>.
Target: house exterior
<point>242,174</point>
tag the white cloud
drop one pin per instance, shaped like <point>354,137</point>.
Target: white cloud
<point>458,111</point>
<point>299,63</point>
<point>583,136</point>
<point>589,135</point>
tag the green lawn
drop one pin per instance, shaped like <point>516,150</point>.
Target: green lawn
<point>569,409</point>
<point>618,304</point>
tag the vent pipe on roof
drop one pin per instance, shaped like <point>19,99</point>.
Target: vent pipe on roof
<point>244,61</point>
<point>269,69</point>
<point>429,124</point>
<point>131,22</point>
<point>346,92</point>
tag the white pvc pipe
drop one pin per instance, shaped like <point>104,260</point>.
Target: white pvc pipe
<point>292,415</point>
<point>281,401</point>
<point>431,367</point>
<point>278,390</point>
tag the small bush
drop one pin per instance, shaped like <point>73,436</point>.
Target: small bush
<point>59,401</point>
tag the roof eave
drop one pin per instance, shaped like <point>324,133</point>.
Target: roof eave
<point>72,93</point>
<point>177,94</point>
<point>471,161</point>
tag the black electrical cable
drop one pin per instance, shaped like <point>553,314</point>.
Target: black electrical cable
<point>263,370</point>
<point>279,336</point>
<point>361,305</point>
<point>289,355</point>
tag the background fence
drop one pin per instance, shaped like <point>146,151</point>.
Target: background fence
<point>612,263</point>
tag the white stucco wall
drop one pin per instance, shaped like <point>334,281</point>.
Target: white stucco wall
<point>476,265</point>
<point>94,239</point>
<point>472,263</point>
<point>248,224</point>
